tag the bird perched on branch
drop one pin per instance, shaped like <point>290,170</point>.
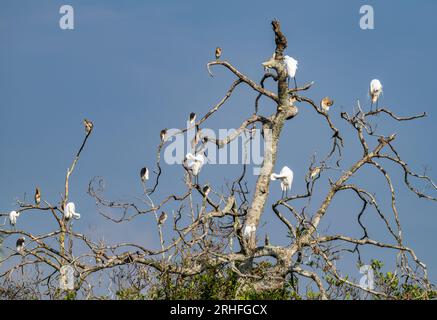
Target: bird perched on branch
<point>291,66</point>
<point>88,126</point>
<point>70,211</point>
<point>315,172</point>
<point>375,92</point>
<point>286,177</point>
<point>267,240</point>
<point>37,196</point>
<point>20,244</point>
<point>163,134</point>
<point>144,174</point>
<point>13,216</point>
<point>195,163</point>
<point>192,118</point>
<point>162,218</point>
<point>206,190</point>
<point>218,53</point>
<point>326,103</point>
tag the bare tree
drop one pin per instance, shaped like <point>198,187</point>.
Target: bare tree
<point>213,237</point>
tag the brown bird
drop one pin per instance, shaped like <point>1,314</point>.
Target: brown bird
<point>162,218</point>
<point>192,117</point>
<point>267,240</point>
<point>37,196</point>
<point>144,174</point>
<point>326,103</point>
<point>163,133</point>
<point>315,172</point>
<point>218,53</point>
<point>88,126</point>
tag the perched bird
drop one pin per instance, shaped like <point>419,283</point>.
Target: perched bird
<point>70,211</point>
<point>375,92</point>
<point>162,218</point>
<point>248,230</point>
<point>20,244</point>
<point>218,53</point>
<point>206,189</point>
<point>13,215</point>
<point>267,240</point>
<point>163,133</point>
<point>326,103</point>
<point>315,172</point>
<point>195,163</point>
<point>192,118</point>
<point>88,126</point>
<point>37,197</point>
<point>291,66</point>
<point>286,177</point>
<point>144,174</point>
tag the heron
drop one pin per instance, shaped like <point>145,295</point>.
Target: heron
<point>144,174</point>
<point>162,218</point>
<point>88,126</point>
<point>195,165</point>
<point>375,92</point>
<point>286,177</point>
<point>291,66</point>
<point>218,53</point>
<point>20,244</point>
<point>13,216</point>
<point>70,211</point>
<point>37,196</point>
<point>326,103</point>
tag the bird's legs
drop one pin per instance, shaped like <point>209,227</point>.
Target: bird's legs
<point>295,83</point>
<point>371,105</point>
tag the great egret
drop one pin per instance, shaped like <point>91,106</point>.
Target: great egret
<point>162,218</point>
<point>37,197</point>
<point>20,244</point>
<point>375,92</point>
<point>218,53</point>
<point>144,174</point>
<point>192,118</point>
<point>326,103</point>
<point>195,163</point>
<point>162,134</point>
<point>13,215</point>
<point>291,66</point>
<point>88,126</point>
<point>286,177</point>
<point>248,230</point>
<point>70,211</point>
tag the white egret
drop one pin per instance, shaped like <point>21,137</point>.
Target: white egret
<point>286,177</point>
<point>13,215</point>
<point>291,66</point>
<point>20,244</point>
<point>375,92</point>
<point>144,174</point>
<point>88,126</point>
<point>218,53</point>
<point>326,103</point>
<point>162,218</point>
<point>248,230</point>
<point>70,211</point>
<point>37,197</point>
<point>195,163</point>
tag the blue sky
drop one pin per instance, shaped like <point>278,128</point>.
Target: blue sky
<point>135,67</point>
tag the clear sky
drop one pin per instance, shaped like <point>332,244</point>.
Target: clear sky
<point>134,67</point>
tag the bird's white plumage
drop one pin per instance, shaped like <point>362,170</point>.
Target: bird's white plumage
<point>375,89</point>
<point>248,229</point>
<point>13,215</point>
<point>286,177</point>
<point>70,211</point>
<point>195,162</point>
<point>291,65</point>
